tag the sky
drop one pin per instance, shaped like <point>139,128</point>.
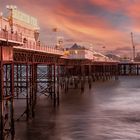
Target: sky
<point>104,25</point>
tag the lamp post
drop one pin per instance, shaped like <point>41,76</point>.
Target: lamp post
<point>132,40</point>
<point>60,41</point>
<point>1,14</point>
<point>55,30</point>
<point>36,36</point>
<point>11,8</point>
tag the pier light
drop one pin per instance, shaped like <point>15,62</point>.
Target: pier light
<point>66,53</point>
<point>76,52</point>
<point>60,42</point>
<point>36,35</point>
<point>11,6</point>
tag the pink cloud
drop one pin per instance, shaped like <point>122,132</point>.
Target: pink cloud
<point>77,24</point>
<point>111,5</point>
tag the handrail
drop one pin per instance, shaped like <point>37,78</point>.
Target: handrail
<point>41,48</point>
<point>6,36</point>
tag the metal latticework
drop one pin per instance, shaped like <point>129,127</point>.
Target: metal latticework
<point>6,101</point>
<point>25,81</point>
<point>47,80</point>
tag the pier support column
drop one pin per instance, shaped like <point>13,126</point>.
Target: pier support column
<point>58,84</point>
<point>103,72</point>
<point>17,80</point>
<point>93,72</point>
<point>7,129</point>
<point>20,77</point>
<point>54,85</point>
<point>124,69</point>
<point>137,71</point>
<point>27,92</point>
<point>33,88</point>
<point>35,83</point>
<point>96,72</point>
<point>110,71</point>
<point>62,77</point>
<point>11,102</point>
<point>116,71</point>
<point>67,77</point>
<point>82,78</point>
<point>130,69</point>
<point>106,72</point>
<point>89,76</point>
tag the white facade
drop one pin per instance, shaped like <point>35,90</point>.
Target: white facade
<point>87,54</point>
<point>80,54</point>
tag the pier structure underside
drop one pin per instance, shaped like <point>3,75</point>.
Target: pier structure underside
<point>25,75</point>
<point>131,68</point>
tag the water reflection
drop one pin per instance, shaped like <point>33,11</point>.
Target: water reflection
<point>109,111</point>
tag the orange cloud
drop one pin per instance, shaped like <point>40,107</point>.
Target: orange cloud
<point>111,5</point>
<point>80,20</point>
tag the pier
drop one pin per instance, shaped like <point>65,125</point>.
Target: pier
<point>129,68</point>
<point>29,68</point>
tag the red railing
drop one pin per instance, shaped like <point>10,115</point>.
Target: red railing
<point>13,37</point>
<point>17,38</point>
<point>41,48</point>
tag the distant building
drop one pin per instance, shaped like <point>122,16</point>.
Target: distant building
<point>81,52</point>
<point>137,58</point>
<point>114,57</point>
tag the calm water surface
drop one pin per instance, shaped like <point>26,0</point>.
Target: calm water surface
<point>109,111</point>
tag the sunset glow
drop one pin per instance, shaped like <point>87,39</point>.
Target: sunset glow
<point>99,22</point>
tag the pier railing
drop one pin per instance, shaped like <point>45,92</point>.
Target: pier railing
<point>11,37</point>
<point>41,48</point>
<point>102,59</point>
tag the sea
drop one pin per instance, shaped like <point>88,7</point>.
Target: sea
<point>110,110</point>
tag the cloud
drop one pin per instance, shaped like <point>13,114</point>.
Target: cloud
<point>107,22</point>
<point>126,48</point>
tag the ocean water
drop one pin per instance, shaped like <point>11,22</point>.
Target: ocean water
<point>108,111</point>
